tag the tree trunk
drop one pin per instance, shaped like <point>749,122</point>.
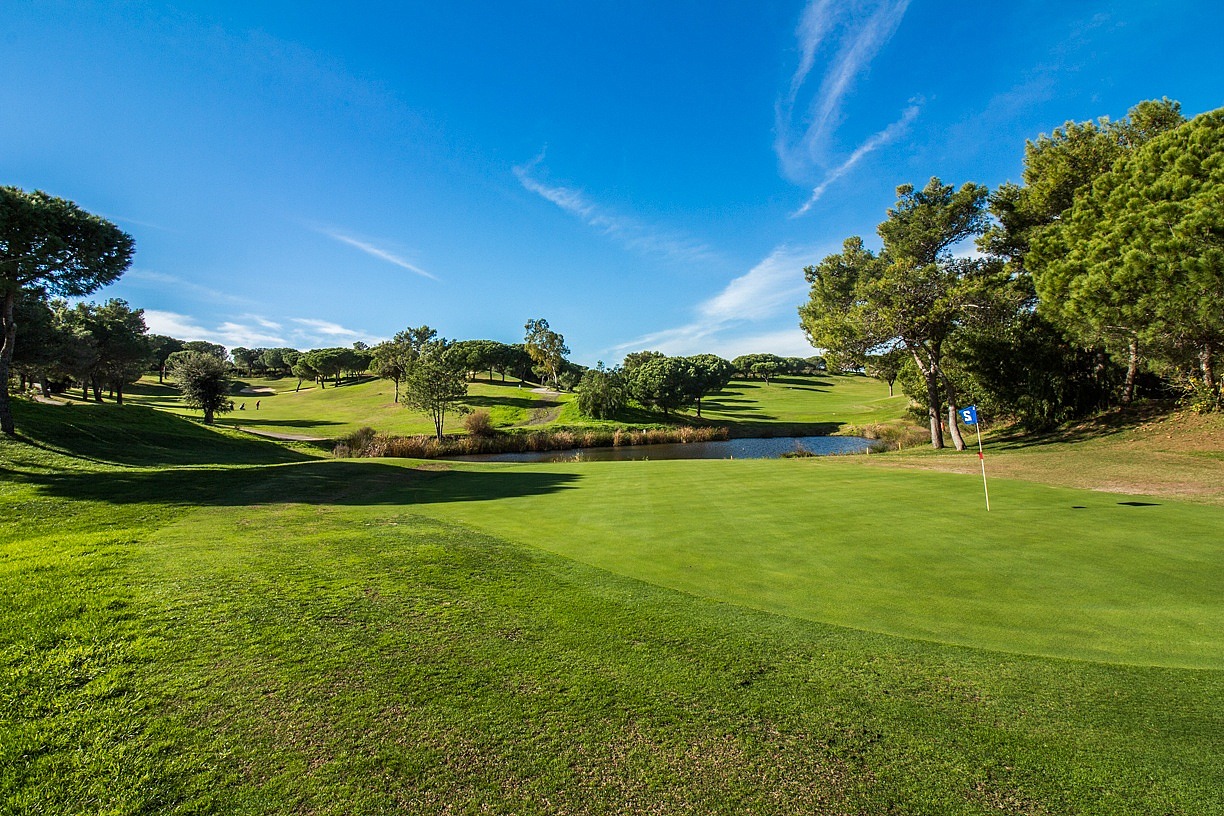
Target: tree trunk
<point>954,425</point>
<point>1132,368</point>
<point>161,374</point>
<point>1207,366</point>
<point>396,381</point>
<point>119,394</point>
<point>208,416</point>
<point>931,378</point>
<point>97,389</point>
<point>45,385</point>
<point>953,415</point>
<point>7,341</point>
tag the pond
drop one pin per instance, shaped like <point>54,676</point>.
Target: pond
<point>727,449</point>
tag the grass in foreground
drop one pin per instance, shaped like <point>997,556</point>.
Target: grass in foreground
<point>317,637</point>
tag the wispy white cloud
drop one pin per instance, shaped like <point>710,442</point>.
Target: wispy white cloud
<point>853,34</point>
<point>327,328</point>
<point>768,288</point>
<point>882,138</point>
<point>631,233</point>
<point>737,318</point>
<point>374,251</point>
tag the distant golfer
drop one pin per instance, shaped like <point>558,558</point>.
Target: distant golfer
<point>257,404</point>
<point>241,407</point>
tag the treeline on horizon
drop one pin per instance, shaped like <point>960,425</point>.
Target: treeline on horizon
<point>102,348</point>
<point>1096,281</point>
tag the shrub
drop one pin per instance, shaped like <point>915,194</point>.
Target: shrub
<point>478,423</point>
<point>355,444</point>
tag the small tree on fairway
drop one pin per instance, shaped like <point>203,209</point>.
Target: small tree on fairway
<point>303,370</point>
<point>886,366</point>
<point>765,370</point>
<point>391,362</point>
<point>663,383</point>
<point>435,384</point>
<point>203,381</point>
<point>601,393</point>
<point>161,347</point>
<point>709,374</point>
<point>547,348</point>
<point>50,243</point>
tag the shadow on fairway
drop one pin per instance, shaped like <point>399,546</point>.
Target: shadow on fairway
<point>318,482</point>
<point>526,401</point>
<point>138,435</point>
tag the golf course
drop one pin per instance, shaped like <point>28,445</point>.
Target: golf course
<point>616,409</point>
<point>200,620</point>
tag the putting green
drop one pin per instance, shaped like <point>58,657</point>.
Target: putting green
<point>1050,571</point>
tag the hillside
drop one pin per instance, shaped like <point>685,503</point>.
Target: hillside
<point>814,405</point>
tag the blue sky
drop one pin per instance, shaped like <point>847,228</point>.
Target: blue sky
<point>641,174</point>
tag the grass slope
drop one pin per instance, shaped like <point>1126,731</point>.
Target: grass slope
<point>340,637</point>
<point>823,403</point>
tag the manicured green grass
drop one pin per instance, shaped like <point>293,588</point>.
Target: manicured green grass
<point>383,637</point>
<point>1058,572</point>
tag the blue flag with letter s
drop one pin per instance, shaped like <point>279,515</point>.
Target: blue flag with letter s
<point>968,415</point>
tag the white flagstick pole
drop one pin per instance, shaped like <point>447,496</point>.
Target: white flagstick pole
<point>982,459</point>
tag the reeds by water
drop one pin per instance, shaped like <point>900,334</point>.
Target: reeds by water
<point>367,443</point>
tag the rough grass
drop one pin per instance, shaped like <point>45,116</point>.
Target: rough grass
<point>1143,450</point>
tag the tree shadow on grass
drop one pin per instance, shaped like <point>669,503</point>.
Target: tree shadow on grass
<point>141,436</point>
<point>328,482</point>
<point>527,401</point>
<point>1104,425</point>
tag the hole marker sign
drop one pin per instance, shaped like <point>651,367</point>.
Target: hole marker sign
<point>968,415</point>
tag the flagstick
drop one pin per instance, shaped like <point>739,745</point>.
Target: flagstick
<point>982,459</point>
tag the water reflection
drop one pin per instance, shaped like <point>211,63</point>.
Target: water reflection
<point>727,449</point>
